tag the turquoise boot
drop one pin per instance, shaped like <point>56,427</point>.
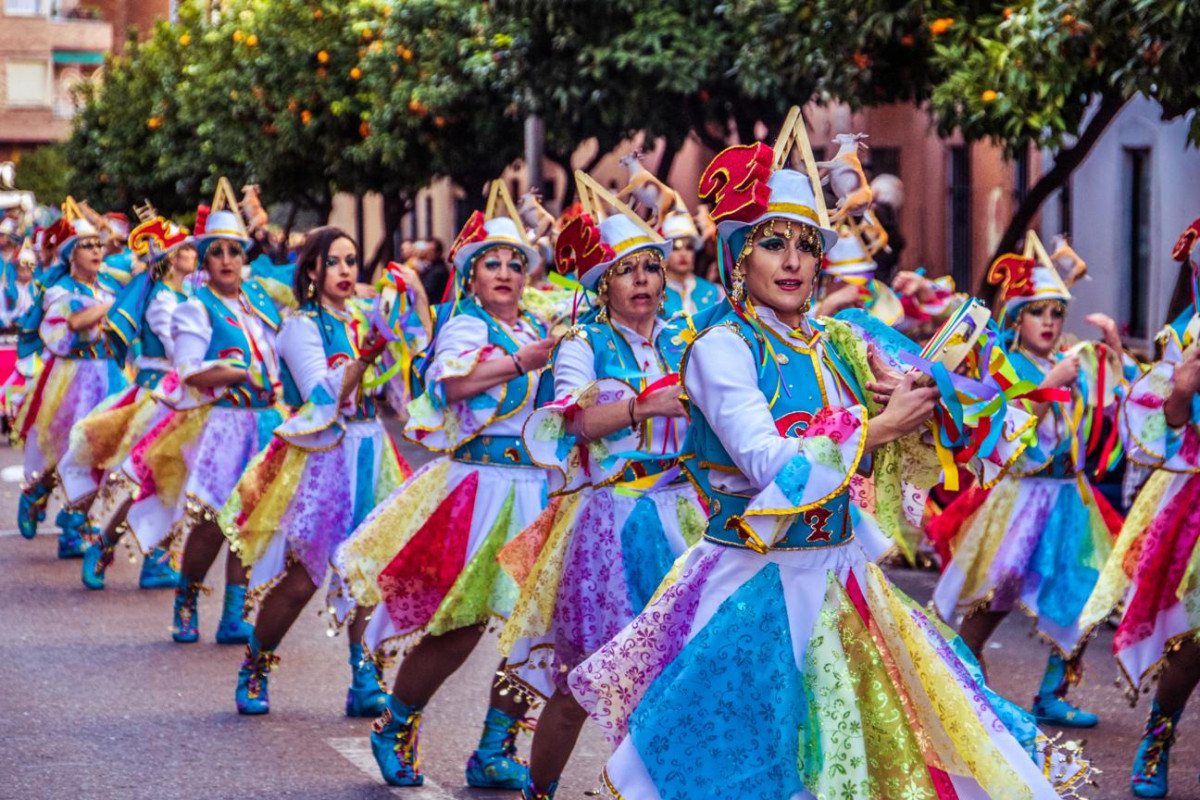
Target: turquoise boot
<point>395,741</point>
<point>187,616</point>
<point>31,509</point>
<point>95,561</point>
<point>70,541</point>
<point>1050,706</point>
<point>531,792</point>
<point>1149,777</point>
<point>232,629</point>
<point>494,764</point>
<point>157,571</point>
<point>251,693</point>
<point>366,697</point>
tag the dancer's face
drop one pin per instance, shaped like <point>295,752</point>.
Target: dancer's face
<point>183,261</point>
<point>224,261</point>
<point>87,256</point>
<point>1041,325</point>
<point>780,269</point>
<point>341,272</point>
<point>635,287</point>
<point>498,278</point>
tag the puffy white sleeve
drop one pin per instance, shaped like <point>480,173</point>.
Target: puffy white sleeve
<point>300,347</point>
<point>574,366</point>
<point>191,331</point>
<point>159,312</point>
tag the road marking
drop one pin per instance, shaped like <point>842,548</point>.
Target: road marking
<point>357,750</point>
<point>17,532</point>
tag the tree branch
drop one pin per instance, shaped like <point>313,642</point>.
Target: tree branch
<point>1065,163</point>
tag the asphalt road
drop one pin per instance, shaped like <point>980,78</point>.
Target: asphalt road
<point>97,702</point>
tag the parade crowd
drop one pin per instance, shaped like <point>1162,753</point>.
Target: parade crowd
<point>667,490</point>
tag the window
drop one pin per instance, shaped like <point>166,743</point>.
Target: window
<point>28,83</point>
<point>881,161</point>
<point>427,228</point>
<point>22,8</point>
<point>1137,236</point>
<point>1020,177</point>
<point>959,215</point>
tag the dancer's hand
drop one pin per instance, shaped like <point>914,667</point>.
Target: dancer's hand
<point>664,402</point>
<point>1064,373</point>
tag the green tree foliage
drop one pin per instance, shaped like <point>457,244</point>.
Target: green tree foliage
<point>45,171</point>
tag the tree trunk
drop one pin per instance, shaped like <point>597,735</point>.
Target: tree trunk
<point>394,208</point>
<point>670,148</point>
<point>1065,163</point>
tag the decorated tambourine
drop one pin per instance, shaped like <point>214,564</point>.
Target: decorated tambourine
<point>955,340</point>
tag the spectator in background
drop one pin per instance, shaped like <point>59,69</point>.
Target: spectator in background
<point>431,266</point>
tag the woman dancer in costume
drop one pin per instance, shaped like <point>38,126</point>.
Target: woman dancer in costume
<point>191,461</point>
<point>101,441</point>
<point>1040,537</point>
<point>427,555</point>
<point>687,292</point>
<point>79,373</point>
<point>781,663</point>
<point>328,466</point>
<point>1155,564</point>
<point>592,560</point>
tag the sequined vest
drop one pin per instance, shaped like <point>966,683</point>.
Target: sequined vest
<point>336,338</point>
<point>230,341</point>
<point>795,393</point>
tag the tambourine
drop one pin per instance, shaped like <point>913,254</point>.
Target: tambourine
<point>954,341</point>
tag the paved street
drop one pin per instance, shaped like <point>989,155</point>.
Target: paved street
<point>97,702</point>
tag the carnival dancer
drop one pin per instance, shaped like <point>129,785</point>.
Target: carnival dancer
<point>191,461</point>
<point>328,466</point>
<point>687,292</point>
<point>19,286</point>
<point>782,663</point>
<point>1040,537</point>
<point>427,556</point>
<point>1155,565</point>
<point>592,560</point>
<point>78,374</point>
<point>139,321</point>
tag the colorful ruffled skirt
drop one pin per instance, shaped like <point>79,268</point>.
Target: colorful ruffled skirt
<point>426,557</point>
<point>103,440</point>
<point>1155,569</point>
<point>296,506</point>
<point>586,567</point>
<point>1034,543</point>
<point>66,391</point>
<point>800,675</point>
<point>188,465</point>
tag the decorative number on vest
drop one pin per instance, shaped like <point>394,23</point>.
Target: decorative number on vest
<point>736,182</point>
<point>817,519</point>
<point>793,424</point>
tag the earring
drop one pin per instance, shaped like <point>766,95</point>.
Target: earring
<point>602,295</point>
<point>662,304</point>
<point>312,291</point>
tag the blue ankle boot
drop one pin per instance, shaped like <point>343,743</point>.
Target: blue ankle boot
<point>95,561</point>
<point>494,764</point>
<point>187,616</point>
<point>232,629</point>
<point>31,509</point>
<point>366,697</point>
<point>1149,776</point>
<point>70,541</point>
<point>395,741</point>
<point>251,693</point>
<point>157,571</point>
<point>1050,706</point>
<point>531,792</point>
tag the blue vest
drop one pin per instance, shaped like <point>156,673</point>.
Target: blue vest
<point>705,294</point>
<point>825,525</point>
<point>506,450</point>
<point>337,339</point>
<point>612,357</point>
<point>229,341</point>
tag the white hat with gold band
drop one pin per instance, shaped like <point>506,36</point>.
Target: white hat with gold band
<point>621,230</point>
<point>848,256</point>
<point>501,226</point>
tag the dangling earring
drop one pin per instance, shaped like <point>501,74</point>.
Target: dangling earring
<point>662,304</point>
<point>312,290</point>
<point>602,296</point>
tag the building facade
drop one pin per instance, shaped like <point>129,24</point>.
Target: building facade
<point>46,48</point>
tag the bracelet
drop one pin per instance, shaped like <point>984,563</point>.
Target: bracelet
<point>632,419</point>
<point>517,363</point>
